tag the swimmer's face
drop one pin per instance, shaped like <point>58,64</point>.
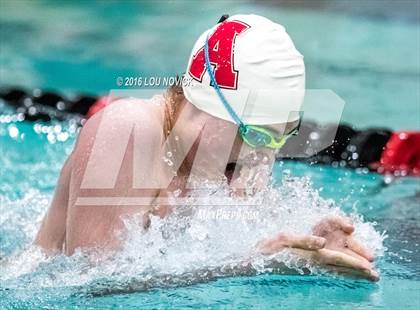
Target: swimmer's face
<point>242,151</point>
<point>219,135</point>
<point>219,141</point>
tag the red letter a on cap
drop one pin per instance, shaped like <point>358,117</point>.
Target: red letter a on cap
<point>221,54</point>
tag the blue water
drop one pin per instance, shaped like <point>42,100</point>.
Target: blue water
<point>372,63</point>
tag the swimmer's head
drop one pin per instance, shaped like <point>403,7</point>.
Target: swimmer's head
<point>255,65</point>
<point>259,72</point>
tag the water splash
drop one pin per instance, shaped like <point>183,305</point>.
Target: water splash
<point>184,247</point>
<point>194,243</point>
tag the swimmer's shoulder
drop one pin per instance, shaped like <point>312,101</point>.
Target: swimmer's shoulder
<point>133,111</point>
<point>145,116</point>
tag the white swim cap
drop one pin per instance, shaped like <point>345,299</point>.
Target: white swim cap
<point>257,67</point>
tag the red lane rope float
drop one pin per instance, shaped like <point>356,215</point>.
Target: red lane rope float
<point>401,155</point>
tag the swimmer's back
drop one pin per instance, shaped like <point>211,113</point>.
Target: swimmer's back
<point>136,124</point>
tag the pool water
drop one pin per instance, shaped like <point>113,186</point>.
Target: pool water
<point>92,44</point>
<point>31,161</point>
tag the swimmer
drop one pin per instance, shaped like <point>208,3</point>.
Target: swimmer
<point>240,54</point>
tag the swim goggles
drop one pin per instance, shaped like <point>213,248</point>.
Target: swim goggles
<point>252,135</point>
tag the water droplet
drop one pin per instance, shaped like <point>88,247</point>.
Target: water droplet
<point>403,136</point>
<point>388,179</point>
<point>314,135</point>
<point>13,131</point>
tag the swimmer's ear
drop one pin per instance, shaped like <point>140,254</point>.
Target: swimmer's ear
<point>223,18</point>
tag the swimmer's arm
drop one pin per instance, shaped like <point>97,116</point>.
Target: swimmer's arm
<point>309,248</point>
<point>331,246</point>
<point>52,232</point>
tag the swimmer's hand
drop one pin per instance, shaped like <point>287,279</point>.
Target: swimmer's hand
<point>331,245</point>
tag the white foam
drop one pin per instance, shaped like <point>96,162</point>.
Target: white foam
<point>186,247</point>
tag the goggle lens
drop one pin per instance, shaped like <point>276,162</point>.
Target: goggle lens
<point>256,138</point>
